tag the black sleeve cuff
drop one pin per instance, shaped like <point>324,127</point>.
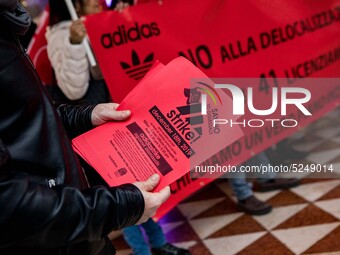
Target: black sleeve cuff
<point>131,205</point>
<point>76,119</point>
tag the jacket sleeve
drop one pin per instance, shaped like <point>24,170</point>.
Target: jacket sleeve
<point>76,119</point>
<point>34,215</point>
<point>4,155</point>
<point>69,62</point>
<point>31,213</point>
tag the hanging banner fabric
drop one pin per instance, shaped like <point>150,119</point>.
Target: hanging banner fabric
<point>278,43</point>
<point>223,38</point>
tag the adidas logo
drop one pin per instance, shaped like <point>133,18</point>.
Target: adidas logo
<point>138,69</point>
<point>123,35</point>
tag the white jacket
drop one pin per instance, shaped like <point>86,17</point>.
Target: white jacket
<point>68,60</point>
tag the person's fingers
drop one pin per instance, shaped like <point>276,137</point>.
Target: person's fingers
<point>152,200</point>
<point>80,28</point>
<point>79,32</point>
<point>121,6</point>
<point>151,183</point>
<point>77,28</point>
<point>77,23</point>
<point>107,112</point>
<point>113,106</point>
<point>164,194</point>
<point>118,115</point>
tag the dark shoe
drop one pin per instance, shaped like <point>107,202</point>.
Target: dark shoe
<point>277,183</point>
<point>285,151</point>
<point>169,249</point>
<point>289,153</point>
<point>251,205</point>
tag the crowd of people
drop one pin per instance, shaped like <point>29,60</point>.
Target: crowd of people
<point>51,201</point>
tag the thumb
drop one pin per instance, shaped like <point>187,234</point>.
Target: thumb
<point>118,115</point>
<point>151,183</point>
<point>164,194</point>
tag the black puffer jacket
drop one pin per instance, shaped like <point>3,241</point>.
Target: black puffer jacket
<point>46,206</point>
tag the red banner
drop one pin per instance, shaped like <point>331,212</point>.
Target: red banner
<point>223,38</point>
<point>257,39</point>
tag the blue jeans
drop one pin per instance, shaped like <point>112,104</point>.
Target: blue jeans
<point>243,189</point>
<point>134,237</point>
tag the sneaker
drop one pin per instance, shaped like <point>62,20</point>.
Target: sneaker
<point>251,205</point>
<point>277,183</point>
<point>169,249</point>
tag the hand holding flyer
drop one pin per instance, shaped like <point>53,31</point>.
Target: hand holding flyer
<point>165,122</point>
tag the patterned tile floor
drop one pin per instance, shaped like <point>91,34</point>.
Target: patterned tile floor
<point>305,219</point>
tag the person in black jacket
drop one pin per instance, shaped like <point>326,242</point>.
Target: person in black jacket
<point>46,205</point>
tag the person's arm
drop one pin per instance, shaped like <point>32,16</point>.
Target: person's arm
<point>36,215</point>
<point>69,62</point>
<point>79,119</point>
<point>4,155</point>
<point>32,213</point>
<point>76,119</point>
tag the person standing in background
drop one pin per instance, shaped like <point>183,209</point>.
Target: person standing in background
<point>76,82</point>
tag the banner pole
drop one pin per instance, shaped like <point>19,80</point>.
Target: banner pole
<point>85,42</point>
